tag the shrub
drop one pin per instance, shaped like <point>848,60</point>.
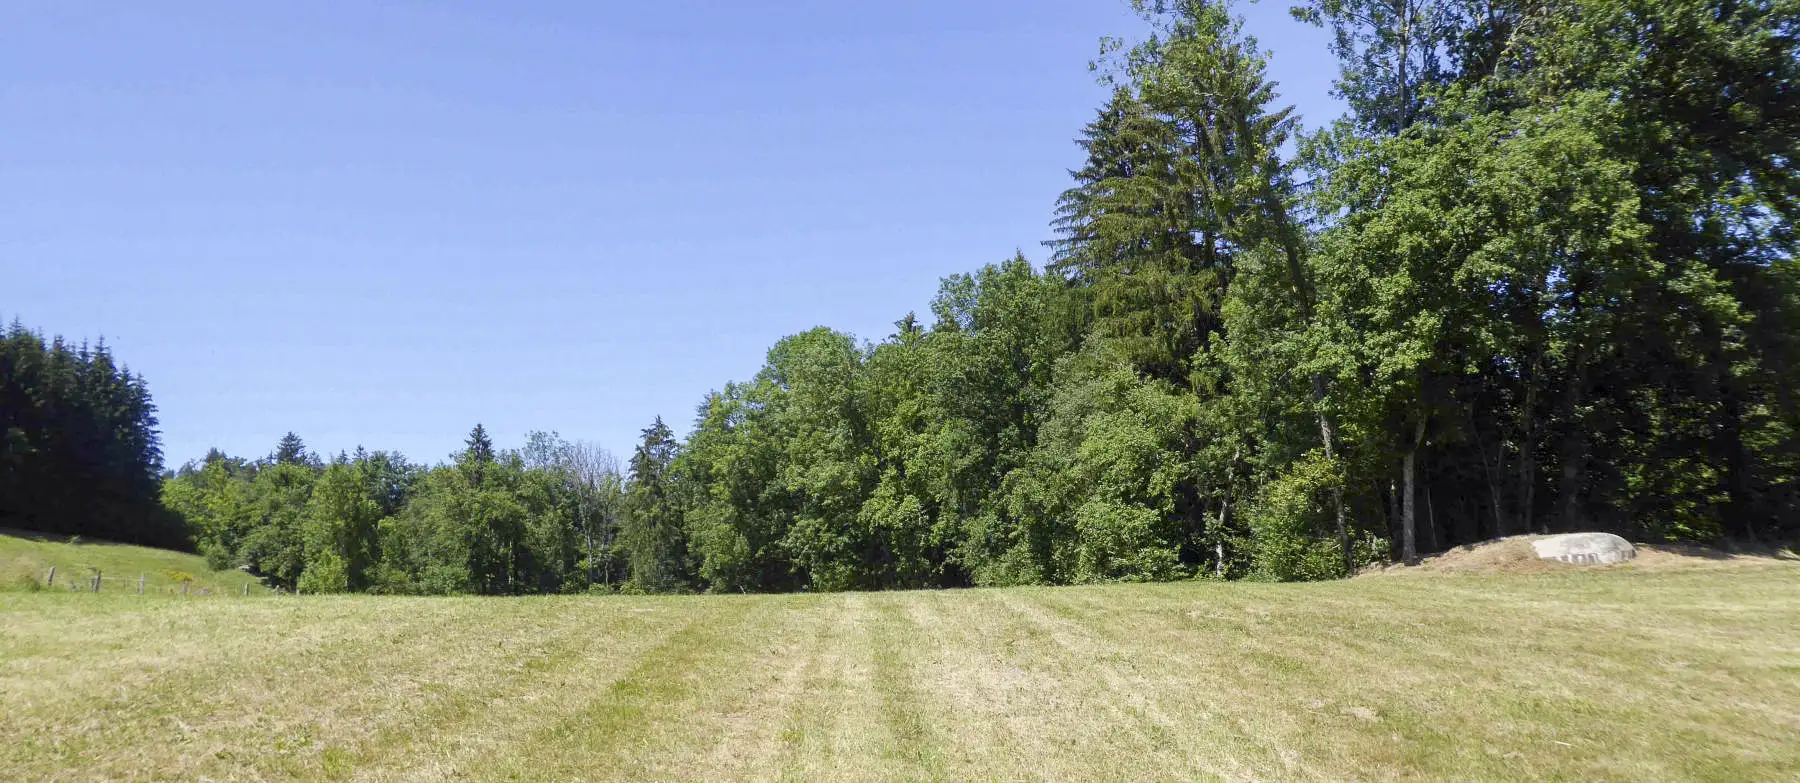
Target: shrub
<point>1286,521</point>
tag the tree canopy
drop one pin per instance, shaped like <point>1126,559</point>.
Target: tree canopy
<point>1540,277</point>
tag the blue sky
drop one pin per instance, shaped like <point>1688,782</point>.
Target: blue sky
<point>379,223</point>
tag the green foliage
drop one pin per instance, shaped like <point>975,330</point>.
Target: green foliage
<point>341,526</point>
<point>278,502</point>
<point>652,532</point>
<point>1287,525</point>
<point>491,521</point>
<point>325,573</point>
<point>1540,278</point>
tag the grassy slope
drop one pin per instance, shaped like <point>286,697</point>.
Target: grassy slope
<point>25,560</point>
<point>1649,675</point>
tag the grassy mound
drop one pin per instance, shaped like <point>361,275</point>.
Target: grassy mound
<point>26,559</point>
<point>1514,555</point>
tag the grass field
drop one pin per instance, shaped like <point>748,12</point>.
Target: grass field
<point>26,558</point>
<point>1619,674</point>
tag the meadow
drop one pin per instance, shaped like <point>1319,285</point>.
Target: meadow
<point>26,560</point>
<point>1689,673</point>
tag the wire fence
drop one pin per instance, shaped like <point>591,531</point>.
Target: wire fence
<point>143,584</point>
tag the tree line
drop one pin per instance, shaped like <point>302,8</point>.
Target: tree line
<point>1540,277</point>
<point>79,451</point>
<point>540,519</point>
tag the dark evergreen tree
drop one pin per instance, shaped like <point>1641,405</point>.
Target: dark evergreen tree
<point>291,451</point>
<point>652,531</point>
<point>79,450</point>
<point>479,447</point>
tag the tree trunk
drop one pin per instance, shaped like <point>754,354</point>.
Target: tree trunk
<point>1219,545</point>
<point>1406,12</point>
<point>1528,457</point>
<point>1409,550</point>
<point>1737,461</point>
<point>1393,499</point>
<point>1574,447</point>
<point>1328,435</point>
<point>1431,518</point>
<point>587,524</point>
<point>1574,460</point>
<point>1493,474</point>
<point>612,536</point>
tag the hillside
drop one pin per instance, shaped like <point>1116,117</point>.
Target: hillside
<point>1678,673</point>
<point>26,559</point>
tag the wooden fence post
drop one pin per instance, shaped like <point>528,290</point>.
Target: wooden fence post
<point>184,588</point>
<point>140,584</point>
<point>246,589</point>
<point>51,579</point>
<point>96,581</point>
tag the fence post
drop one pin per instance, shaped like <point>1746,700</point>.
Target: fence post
<point>140,584</point>
<point>184,588</point>
<point>51,579</point>
<point>96,580</point>
<point>246,589</point>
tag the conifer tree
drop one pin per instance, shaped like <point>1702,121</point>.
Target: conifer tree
<point>291,451</point>
<point>652,530</point>
<point>79,450</point>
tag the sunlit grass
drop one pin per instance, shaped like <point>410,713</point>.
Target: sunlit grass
<point>1618,675</point>
<point>26,560</point>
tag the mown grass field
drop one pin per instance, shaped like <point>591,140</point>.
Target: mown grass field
<point>1621,674</point>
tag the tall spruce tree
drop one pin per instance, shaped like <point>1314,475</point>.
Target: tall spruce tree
<point>79,449</point>
<point>653,534</point>
<point>291,450</point>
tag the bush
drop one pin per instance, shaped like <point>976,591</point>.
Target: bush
<point>1287,524</point>
<point>218,558</point>
<point>1119,543</point>
<point>325,574</point>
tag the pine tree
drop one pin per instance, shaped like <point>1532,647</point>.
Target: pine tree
<point>291,451</point>
<point>652,529</point>
<point>79,450</point>
<point>1133,234</point>
<point>478,447</point>
<point>477,455</point>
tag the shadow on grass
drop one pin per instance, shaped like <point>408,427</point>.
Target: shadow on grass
<point>76,539</point>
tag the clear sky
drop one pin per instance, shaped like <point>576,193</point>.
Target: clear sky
<point>379,223</point>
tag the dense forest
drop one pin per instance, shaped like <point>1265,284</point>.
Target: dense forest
<point>1539,278</point>
<point>78,444</point>
<point>539,519</point>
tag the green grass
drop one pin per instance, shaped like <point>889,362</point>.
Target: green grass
<point>1688,673</point>
<point>26,558</point>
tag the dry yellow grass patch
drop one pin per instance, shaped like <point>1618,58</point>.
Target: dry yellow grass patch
<point>1514,555</point>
